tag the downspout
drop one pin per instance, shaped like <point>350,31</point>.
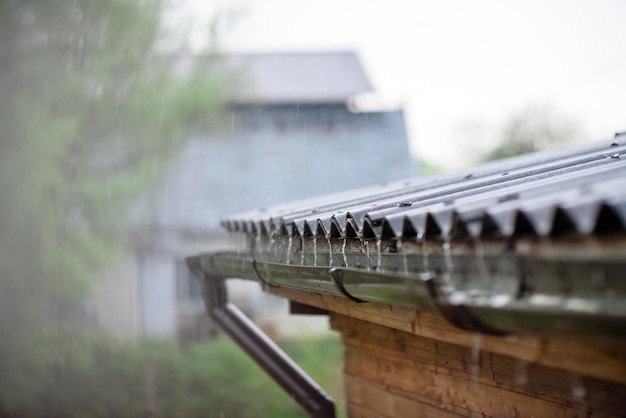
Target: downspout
<point>274,361</point>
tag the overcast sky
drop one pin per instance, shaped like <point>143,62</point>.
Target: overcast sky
<point>459,68</point>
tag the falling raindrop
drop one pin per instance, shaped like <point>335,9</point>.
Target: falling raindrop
<point>420,239</point>
<point>480,261</point>
<point>448,260</point>
<point>577,386</point>
<point>271,246</point>
<point>257,242</point>
<point>379,253</point>
<point>343,252</point>
<point>405,261</point>
<point>474,368</point>
<point>330,252</point>
<point>521,372</point>
<point>289,245</point>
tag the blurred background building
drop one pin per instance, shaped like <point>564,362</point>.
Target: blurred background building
<point>301,124</point>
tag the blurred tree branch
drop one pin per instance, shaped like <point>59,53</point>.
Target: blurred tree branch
<point>532,129</point>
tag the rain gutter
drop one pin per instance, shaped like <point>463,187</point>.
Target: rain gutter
<point>518,305</point>
<point>295,381</point>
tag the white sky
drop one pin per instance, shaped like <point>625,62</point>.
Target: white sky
<point>456,64</point>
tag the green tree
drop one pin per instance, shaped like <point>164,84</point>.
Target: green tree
<point>88,118</point>
<point>532,129</point>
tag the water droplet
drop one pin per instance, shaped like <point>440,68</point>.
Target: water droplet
<point>480,261</point>
<point>474,368</point>
<point>302,250</point>
<point>425,265</point>
<point>330,252</point>
<point>271,246</point>
<point>498,301</point>
<point>289,245</point>
<point>315,251</point>
<point>521,372</point>
<point>343,252</point>
<point>367,254</point>
<point>457,298</point>
<point>405,261</point>
<point>577,386</point>
<point>379,253</point>
<point>447,275</point>
<point>615,156</point>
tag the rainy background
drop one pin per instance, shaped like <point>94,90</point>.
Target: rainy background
<point>129,127</point>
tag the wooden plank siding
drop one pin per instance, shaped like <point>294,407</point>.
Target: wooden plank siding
<point>590,356</point>
<point>391,373</point>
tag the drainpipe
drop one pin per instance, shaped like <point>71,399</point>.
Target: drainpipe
<point>274,361</point>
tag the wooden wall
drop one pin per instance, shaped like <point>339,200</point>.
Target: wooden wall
<point>392,373</point>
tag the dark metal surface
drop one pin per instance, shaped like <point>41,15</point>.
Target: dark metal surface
<point>295,381</point>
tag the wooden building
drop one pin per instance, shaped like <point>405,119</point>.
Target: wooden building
<point>494,292</point>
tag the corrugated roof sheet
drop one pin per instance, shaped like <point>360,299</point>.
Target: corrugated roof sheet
<point>579,190</point>
<point>533,243</point>
<point>305,77</point>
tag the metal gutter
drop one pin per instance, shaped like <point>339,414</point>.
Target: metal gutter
<point>498,291</point>
<point>295,381</point>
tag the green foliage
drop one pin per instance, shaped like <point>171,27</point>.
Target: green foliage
<point>532,129</point>
<point>89,117</point>
<point>98,377</point>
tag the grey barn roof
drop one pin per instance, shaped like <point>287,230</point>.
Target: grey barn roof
<point>306,77</point>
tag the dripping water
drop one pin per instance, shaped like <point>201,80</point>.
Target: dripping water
<point>241,251</point>
<point>367,253</point>
<point>420,239</point>
<point>343,252</point>
<point>480,260</point>
<point>271,246</point>
<point>521,372</point>
<point>315,251</point>
<point>302,250</point>
<point>289,245</point>
<point>577,386</point>
<point>379,254</point>
<point>257,243</point>
<point>475,358</point>
<point>330,252</point>
<point>405,261</point>
<point>448,260</point>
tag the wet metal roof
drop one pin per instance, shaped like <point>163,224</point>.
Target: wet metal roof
<point>530,244</point>
<point>580,190</point>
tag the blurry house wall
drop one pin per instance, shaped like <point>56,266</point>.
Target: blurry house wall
<point>291,135</point>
